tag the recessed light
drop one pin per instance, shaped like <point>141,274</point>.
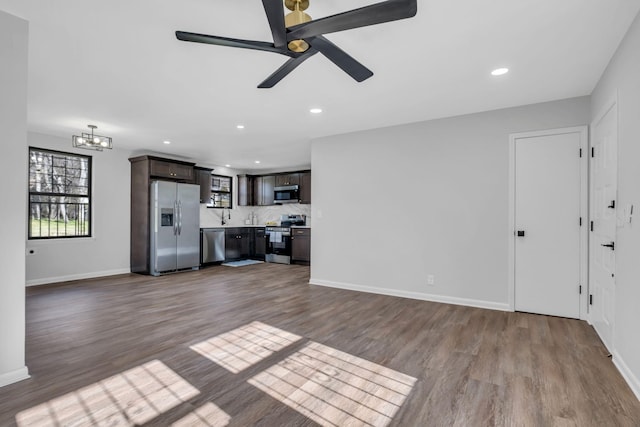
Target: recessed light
<point>227,166</point>
<point>167,142</point>
<point>315,110</point>
<point>240,126</point>
<point>257,161</point>
<point>499,71</point>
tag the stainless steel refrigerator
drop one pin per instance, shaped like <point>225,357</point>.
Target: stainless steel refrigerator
<point>175,227</point>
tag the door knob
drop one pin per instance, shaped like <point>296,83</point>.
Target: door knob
<point>520,233</point>
<point>611,245</point>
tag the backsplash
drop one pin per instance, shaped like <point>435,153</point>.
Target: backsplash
<point>212,217</point>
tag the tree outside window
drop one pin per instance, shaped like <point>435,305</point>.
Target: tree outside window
<point>59,194</point>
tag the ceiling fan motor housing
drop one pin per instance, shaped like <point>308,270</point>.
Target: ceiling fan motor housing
<point>297,17</point>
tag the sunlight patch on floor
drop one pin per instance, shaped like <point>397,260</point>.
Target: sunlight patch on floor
<point>245,346</point>
<point>130,398</point>
<point>208,415</point>
<point>334,388</point>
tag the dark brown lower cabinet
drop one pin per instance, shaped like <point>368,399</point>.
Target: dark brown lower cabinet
<point>301,245</point>
<point>237,243</point>
<point>259,244</point>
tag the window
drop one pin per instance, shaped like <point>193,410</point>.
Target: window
<point>59,194</point>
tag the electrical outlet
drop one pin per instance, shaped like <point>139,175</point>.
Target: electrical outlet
<point>431,280</point>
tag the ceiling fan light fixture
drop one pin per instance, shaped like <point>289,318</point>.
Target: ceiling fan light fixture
<point>298,46</point>
<point>90,141</point>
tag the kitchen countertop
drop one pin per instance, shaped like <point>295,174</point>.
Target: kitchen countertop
<point>251,226</point>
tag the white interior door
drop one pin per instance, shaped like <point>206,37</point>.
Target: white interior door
<point>604,171</point>
<point>547,220</point>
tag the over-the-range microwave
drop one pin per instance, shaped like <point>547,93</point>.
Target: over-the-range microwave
<point>286,194</point>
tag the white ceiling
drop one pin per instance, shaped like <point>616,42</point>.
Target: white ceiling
<point>117,64</point>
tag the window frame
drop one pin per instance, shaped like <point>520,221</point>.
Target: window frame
<point>89,195</point>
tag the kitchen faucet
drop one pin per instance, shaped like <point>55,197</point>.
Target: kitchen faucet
<point>223,215</point>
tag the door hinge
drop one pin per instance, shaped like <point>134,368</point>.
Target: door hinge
<point>591,225</point>
<point>580,221</point>
<point>591,299</point>
<point>580,289</point>
<point>593,151</point>
<point>581,152</point>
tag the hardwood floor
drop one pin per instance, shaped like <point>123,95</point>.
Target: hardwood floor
<point>258,346</point>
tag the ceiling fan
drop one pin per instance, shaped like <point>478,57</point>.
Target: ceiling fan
<point>299,37</point>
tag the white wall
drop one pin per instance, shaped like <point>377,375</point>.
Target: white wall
<point>622,77</point>
<point>393,205</point>
<point>13,161</point>
<point>107,251</point>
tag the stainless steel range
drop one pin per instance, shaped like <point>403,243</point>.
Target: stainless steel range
<point>279,239</point>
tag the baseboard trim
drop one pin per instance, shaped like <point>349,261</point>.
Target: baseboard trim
<point>14,376</point>
<point>413,295</point>
<point>49,280</point>
<point>628,376</point>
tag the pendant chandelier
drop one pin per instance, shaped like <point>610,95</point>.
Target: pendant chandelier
<point>90,141</point>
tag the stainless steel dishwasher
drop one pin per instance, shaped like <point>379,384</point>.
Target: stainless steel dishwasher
<point>211,245</point>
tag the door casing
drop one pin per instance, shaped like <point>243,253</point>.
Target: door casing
<point>601,313</point>
<point>584,211</point>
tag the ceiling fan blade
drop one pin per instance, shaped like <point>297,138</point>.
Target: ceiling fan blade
<point>341,58</point>
<point>386,11</point>
<point>225,41</point>
<point>275,14</point>
<point>286,68</point>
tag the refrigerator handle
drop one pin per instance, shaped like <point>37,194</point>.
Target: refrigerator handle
<point>175,218</point>
<point>179,217</point>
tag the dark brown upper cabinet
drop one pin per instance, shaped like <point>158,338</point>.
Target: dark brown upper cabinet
<point>288,179</point>
<point>263,190</point>
<point>245,190</point>
<point>171,169</point>
<point>203,179</point>
<point>305,188</point>
<point>257,190</point>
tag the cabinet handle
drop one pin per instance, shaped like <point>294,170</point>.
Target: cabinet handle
<point>611,245</point>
